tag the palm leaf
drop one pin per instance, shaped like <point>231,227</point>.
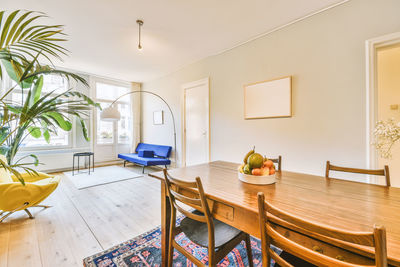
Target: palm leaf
<point>35,132</point>
<point>7,25</point>
<point>23,42</point>
<point>18,34</point>
<point>84,129</point>
<point>36,91</point>
<point>61,120</point>
<point>15,28</point>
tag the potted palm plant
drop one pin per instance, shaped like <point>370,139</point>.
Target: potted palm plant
<point>24,45</point>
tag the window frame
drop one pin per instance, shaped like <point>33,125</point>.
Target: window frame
<point>126,85</point>
<point>7,82</point>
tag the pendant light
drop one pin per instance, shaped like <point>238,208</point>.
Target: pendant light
<point>140,23</point>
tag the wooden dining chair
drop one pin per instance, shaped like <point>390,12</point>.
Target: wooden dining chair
<point>270,216</point>
<point>199,226</point>
<point>278,161</point>
<point>381,172</point>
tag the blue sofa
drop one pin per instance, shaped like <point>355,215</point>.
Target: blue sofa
<point>161,155</point>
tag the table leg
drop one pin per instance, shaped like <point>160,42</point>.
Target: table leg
<point>165,224</point>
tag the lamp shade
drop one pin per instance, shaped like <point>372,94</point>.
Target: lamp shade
<point>110,113</point>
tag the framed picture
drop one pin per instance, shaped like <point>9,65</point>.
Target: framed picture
<point>268,99</point>
<point>158,117</point>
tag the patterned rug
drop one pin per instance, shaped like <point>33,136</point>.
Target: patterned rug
<point>145,250</point>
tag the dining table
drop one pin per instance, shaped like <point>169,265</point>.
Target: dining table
<point>343,204</point>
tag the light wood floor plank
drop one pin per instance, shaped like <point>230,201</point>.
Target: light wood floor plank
<point>118,207</point>
<point>65,233</point>
<point>4,241</point>
<point>23,243</point>
<point>80,223</point>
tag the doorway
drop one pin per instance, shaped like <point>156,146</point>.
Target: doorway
<point>383,82</point>
<point>196,123</point>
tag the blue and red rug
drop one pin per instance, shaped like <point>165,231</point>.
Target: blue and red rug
<point>145,250</point>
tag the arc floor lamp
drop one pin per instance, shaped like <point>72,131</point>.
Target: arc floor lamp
<point>111,113</point>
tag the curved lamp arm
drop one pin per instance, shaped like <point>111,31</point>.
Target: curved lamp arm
<point>170,110</point>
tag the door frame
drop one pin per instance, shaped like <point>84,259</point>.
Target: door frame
<point>371,46</point>
<point>184,87</point>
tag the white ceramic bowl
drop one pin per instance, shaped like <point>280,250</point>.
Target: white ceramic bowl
<point>254,179</point>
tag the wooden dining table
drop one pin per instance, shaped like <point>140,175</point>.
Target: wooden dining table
<point>332,202</point>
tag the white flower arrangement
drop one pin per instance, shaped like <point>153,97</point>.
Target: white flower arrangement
<point>386,133</point>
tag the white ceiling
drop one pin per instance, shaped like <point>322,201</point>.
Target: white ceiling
<point>103,34</point>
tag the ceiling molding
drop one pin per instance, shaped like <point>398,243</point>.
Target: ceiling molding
<point>283,26</point>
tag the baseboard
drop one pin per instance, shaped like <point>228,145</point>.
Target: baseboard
<point>96,164</point>
<point>100,164</point>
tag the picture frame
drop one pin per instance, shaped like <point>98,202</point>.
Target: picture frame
<point>158,117</point>
<point>268,99</point>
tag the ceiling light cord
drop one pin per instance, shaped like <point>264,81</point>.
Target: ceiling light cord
<point>140,23</point>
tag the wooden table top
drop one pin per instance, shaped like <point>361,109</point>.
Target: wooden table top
<point>344,204</point>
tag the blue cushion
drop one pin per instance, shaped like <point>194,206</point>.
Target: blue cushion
<point>159,151</point>
<point>146,153</point>
<point>132,157</point>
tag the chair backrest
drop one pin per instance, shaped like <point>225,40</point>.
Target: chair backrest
<point>197,200</point>
<point>159,150</point>
<point>278,161</point>
<point>381,172</point>
<point>269,235</point>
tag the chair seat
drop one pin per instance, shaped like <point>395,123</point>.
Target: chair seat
<point>144,161</point>
<point>197,231</point>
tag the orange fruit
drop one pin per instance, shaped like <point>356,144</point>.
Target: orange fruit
<point>256,171</point>
<point>268,163</point>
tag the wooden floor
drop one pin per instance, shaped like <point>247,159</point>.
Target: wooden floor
<point>80,223</point>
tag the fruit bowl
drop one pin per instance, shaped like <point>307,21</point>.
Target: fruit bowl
<point>256,169</point>
<point>256,179</point>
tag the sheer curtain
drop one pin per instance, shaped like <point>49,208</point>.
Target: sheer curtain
<point>135,109</point>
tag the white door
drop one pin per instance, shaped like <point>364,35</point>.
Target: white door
<point>383,98</point>
<point>388,85</point>
<point>196,133</point>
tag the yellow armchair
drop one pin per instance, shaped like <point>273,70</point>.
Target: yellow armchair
<point>15,196</point>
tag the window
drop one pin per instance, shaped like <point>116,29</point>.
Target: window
<point>51,83</point>
<point>124,124</point>
<point>110,132</point>
<point>105,129</point>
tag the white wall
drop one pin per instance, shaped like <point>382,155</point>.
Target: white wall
<point>325,54</point>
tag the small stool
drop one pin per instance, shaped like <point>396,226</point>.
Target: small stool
<point>82,154</point>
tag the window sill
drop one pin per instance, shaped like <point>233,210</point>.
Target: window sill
<point>53,151</point>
